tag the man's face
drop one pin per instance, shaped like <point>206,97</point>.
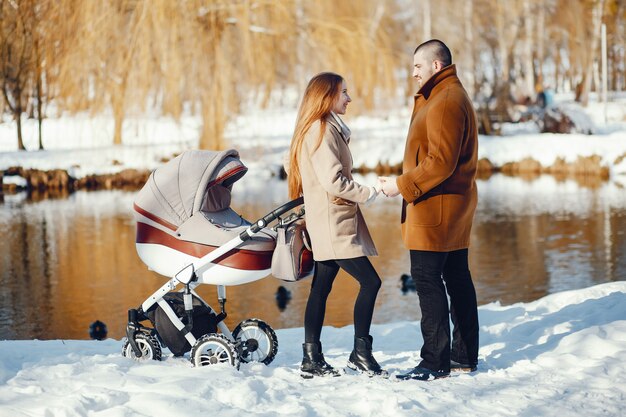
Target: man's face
<point>423,67</point>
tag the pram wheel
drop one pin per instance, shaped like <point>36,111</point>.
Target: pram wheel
<point>212,349</point>
<point>256,341</point>
<point>148,344</point>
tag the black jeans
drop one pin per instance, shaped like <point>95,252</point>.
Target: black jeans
<point>427,270</point>
<point>325,272</point>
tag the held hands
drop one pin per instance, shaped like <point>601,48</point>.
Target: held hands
<point>388,186</point>
<point>374,191</point>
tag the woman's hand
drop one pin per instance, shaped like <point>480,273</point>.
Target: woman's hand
<point>378,186</point>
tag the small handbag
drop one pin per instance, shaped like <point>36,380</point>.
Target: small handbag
<point>293,258</point>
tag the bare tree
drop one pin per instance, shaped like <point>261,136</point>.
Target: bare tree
<point>583,19</point>
<point>214,58</point>
<point>39,33</point>
<point>16,56</point>
<point>615,16</point>
<point>526,56</point>
<point>592,45</point>
<point>470,56</point>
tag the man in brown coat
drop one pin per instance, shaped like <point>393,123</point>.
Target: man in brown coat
<point>439,199</point>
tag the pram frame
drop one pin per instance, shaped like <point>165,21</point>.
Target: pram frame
<point>199,266</point>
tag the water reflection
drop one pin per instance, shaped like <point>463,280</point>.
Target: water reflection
<point>69,261</point>
<point>544,236</point>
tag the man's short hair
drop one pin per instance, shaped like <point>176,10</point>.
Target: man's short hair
<point>437,51</point>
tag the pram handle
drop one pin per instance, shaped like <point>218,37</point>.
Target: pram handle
<point>270,217</point>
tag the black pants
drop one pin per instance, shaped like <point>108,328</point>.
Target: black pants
<point>427,270</point>
<point>325,272</point>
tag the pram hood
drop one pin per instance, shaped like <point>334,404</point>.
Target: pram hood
<point>190,182</point>
<point>183,213</point>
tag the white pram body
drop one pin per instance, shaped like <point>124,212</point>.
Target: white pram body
<point>183,214</point>
<point>187,231</point>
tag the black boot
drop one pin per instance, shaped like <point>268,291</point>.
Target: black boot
<point>313,363</point>
<point>362,360</point>
<point>423,374</point>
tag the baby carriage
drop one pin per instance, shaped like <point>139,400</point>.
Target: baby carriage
<point>187,231</point>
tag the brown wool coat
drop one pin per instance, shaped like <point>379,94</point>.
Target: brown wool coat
<point>439,168</point>
<point>333,218</point>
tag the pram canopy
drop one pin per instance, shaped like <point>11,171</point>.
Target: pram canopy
<point>185,185</point>
<point>183,213</point>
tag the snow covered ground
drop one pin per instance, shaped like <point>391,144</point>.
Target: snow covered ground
<point>563,355</point>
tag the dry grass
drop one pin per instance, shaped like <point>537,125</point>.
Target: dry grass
<point>135,55</point>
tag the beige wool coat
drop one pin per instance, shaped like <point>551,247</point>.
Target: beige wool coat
<point>331,196</point>
<point>439,168</point>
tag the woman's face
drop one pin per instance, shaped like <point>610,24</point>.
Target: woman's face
<point>342,101</point>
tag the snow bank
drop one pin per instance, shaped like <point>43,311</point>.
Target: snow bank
<point>82,145</point>
<point>546,148</point>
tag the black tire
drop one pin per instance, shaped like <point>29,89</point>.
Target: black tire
<point>212,349</point>
<point>148,344</point>
<point>256,340</point>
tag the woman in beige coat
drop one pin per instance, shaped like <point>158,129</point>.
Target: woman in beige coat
<point>320,165</point>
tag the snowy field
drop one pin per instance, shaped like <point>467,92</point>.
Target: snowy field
<point>563,355</point>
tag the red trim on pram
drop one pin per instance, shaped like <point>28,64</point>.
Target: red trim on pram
<point>237,258</point>
<point>226,175</point>
<point>154,218</point>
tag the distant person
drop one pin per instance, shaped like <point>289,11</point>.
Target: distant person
<point>548,95</point>
<point>439,191</point>
<point>320,166</point>
<point>540,99</point>
<point>545,96</point>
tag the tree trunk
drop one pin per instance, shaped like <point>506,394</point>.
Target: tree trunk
<point>39,119</point>
<point>426,22</point>
<point>18,123</point>
<point>213,109</point>
<point>596,77</point>
<point>557,71</point>
<point>527,54</point>
<point>541,34</point>
<point>118,116</point>
<point>300,70</point>
<point>582,96</point>
<point>469,41</point>
<point>118,102</point>
<point>39,95</point>
<point>212,125</point>
<point>618,78</point>
<point>502,49</point>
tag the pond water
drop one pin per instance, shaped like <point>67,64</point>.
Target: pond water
<point>67,262</point>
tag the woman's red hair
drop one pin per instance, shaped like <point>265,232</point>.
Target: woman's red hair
<point>319,99</point>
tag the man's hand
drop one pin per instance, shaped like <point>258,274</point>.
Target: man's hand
<point>390,188</point>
